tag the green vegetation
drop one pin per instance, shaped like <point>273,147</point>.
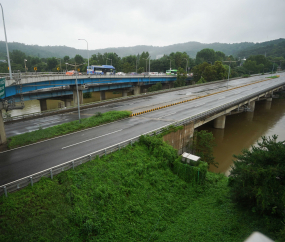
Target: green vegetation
<point>42,134</point>
<point>181,78</point>
<point>156,87</point>
<point>273,77</point>
<point>257,178</point>
<point>203,146</point>
<point>133,194</point>
<point>87,95</point>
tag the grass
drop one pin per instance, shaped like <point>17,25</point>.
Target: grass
<point>273,77</point>
<point>130,195</point>
<point>42,134</point>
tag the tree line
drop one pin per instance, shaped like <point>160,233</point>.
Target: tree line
<point>209,65</point>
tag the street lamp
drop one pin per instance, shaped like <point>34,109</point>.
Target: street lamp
<point>186,64</point>
<point>170,63</point>
<point>229,72</point>
<point>145,63</point>
<point>149,64</point>
<point>110,60</point>
<point>78,105</point>
<point>87,50</point>
<point>25,65</point>
<point>60,62</point>
<point>10,71</point>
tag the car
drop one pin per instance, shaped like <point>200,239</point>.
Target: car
<point>120,73</point>
<point>133,73</point>
<point>72,72</point>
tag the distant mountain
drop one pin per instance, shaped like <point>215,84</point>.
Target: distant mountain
<point>191,48</point>
<point>274,48</point>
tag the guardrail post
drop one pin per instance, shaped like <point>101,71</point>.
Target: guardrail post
<point>90,157</point>
<point>31,178</point>
<point>73,165</point>
<point>5,191</point>
<point>51,175</point>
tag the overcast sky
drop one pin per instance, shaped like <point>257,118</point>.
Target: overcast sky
<point>118,23</point>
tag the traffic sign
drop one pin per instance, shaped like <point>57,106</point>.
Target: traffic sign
<point>57,68</point>
<point>35,68</point>
<point>2,87</point>
<point>78,69</point>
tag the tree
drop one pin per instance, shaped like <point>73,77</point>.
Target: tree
<point>206,55</point>
<point>181,78</point>
<point>78,59</point>
<point>51,63</point>
<point>257,178</point>
<point>203,146</point>
<point>66,58</point>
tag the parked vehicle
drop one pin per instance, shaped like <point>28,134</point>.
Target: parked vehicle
<point>72,72</point>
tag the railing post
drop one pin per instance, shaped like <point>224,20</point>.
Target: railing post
<point>90,157</point>
<point>51,175</point>
<point>5,191</point>
<point>31,178</point>
<point>73,165</point>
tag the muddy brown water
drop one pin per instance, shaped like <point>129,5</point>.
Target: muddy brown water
<point>244,129</point>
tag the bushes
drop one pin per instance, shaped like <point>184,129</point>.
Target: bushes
<point>257,179</point>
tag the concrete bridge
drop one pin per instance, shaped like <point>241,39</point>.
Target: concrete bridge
<point>66,151</point>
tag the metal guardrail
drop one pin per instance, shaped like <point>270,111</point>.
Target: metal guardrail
<point>30,180</point>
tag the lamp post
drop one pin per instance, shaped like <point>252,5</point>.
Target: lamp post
<point>78,105</point>
<point>10,71</point>
<point>186,64</point>
<point>59,62</point>
<point>110,60</point>
<point>170,63</point>
<point>87,50</point>
<point>145,64</point>
<point>149,64</point>
<point>25,65</point>
<point>229,72</point>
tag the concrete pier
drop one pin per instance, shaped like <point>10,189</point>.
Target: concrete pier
<point>43,104</point>
<point>251,105</point>
<point>137,90</point>
<point>102,95</point>
<point>220,122</point>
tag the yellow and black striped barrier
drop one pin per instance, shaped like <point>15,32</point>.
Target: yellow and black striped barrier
<point>192,99</point>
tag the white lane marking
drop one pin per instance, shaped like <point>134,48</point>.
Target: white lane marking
<point>91,139</point>
<point>166,115</point>
<point>199,105</point>
<point>221,98</point>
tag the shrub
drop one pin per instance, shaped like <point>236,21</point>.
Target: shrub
<point>257,178</point>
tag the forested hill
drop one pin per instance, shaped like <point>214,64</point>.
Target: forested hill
<point>191,48</point>
<point>274,48</point>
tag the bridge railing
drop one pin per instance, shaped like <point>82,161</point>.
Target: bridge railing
<point>50,172</point>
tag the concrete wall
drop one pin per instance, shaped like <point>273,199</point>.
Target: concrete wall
<point>3,138</point>
<point>181,138</point>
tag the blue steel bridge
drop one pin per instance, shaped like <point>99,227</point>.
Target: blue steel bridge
<point>54,85</point>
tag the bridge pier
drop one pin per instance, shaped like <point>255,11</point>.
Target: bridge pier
<point>102,95</point>
<point>137,90</point>
<point>3,138</point>
<point>80,94</point>
<point>220,122</point>
<point>43,104</point>
<point>251,105</point>
<point>268,104</point>
<point>124,93</point>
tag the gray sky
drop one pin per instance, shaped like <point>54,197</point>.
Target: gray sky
<point>149,22</point>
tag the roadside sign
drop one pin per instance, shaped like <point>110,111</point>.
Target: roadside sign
<point>57,68</point>
<point>2,87</point>
<point>8,68</point>
<point>78,69</point>
<point>35,68</point>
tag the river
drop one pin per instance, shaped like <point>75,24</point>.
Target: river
<point>244,129</point>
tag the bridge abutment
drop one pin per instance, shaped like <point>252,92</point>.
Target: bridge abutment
<point>3,138</point>
<point>220,122</point>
